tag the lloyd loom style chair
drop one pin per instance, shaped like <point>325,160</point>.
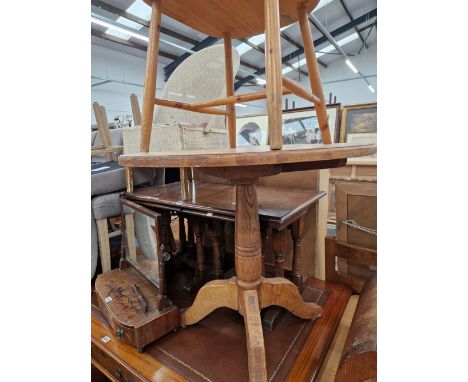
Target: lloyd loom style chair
<point>248,292</point>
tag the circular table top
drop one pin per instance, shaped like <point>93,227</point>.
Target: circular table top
<point>248,156</point>
<point>242,18</point>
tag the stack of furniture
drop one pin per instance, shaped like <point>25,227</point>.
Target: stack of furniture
<point>248,291</point>
<point>104,144</point>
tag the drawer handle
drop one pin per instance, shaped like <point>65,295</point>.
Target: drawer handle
<point>118,373</point>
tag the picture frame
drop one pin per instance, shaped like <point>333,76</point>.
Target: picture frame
<point>252,130</point>
<point>357,120</point>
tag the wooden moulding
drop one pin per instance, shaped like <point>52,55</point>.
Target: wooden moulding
<point>134,322</point>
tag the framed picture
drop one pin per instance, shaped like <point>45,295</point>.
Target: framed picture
<point>359,120</point>
<point>252,130</point>
<point>299,126</point>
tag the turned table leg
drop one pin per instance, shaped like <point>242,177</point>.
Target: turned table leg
<point>182,236</point>
<point>215,246</point>
<point>200,258</point>
<point>297,230</point>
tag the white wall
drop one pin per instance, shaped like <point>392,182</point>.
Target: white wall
<point>128,70</point>
<point>110,64</point>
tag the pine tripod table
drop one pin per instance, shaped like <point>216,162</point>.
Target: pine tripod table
<point>248,292</point>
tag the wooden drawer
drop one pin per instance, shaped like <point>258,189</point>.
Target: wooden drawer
<point>110,367</point>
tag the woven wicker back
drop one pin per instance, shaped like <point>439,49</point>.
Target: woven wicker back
<point>201,77</point>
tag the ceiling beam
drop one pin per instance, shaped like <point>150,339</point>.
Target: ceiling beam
<point>297,45</point>
<point>327,34</point>
<point>351,19</point>
<point>261,50</point>
<point>120,12</point>
<point>364,44</point>
<point>129,43</point>
<point>359,20</point>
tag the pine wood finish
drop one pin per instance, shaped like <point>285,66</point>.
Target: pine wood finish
<point>231,110</point>
<point>242,18</point>
<point>250,156</point>
<point>150,75</point>
<point>314,75</point>
<point>273,74</point>
<point>103,130</point>
<point>135,110</point>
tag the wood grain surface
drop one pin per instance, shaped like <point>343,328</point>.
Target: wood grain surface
<point>242,18</point>
<point>247,156</point>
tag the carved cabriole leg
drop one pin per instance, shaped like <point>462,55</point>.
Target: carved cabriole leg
<point>249,306</point>
<point>281,292</point>
<point>150,76</point>
<point>297,230</point>
<point>314,75</point>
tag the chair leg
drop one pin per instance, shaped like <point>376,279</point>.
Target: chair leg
<point>314,75</point>
<point>104,246</point>
<point>297,230</point>
<point>274,84</point>
<point>150,76</point>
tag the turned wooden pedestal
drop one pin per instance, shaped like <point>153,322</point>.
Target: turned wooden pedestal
<point>249,292</point>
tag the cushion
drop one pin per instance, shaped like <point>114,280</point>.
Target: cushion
<point>115,136</point>
<point>106,206</point>
<point>107,177</point>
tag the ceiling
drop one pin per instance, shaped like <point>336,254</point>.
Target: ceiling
<point>350,22</point>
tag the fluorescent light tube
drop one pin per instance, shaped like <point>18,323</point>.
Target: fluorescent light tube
<point>118,29</point>
<point>371,88</point>
<point>260,81</point>
<point>351,66</point>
